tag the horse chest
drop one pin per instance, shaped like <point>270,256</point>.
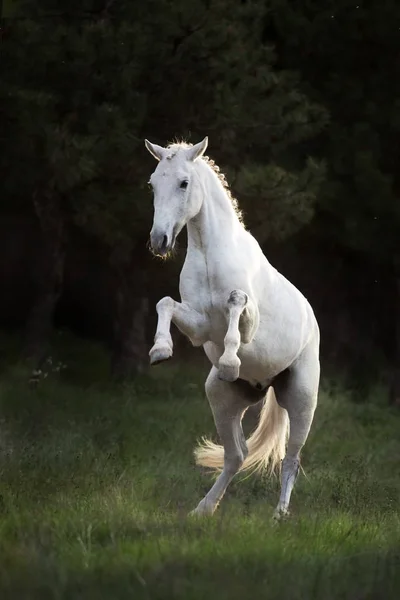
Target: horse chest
<point>199,286</point>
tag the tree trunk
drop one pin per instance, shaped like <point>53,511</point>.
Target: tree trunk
<point>130,345</point>
<point>49,274</point>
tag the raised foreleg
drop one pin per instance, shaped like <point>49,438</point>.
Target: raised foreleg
<point>191,323</point>
<point>243,319</point>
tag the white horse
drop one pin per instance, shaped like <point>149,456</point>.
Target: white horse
<point>256,328</point>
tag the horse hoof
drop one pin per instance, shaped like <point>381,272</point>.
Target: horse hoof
<point>229,368</point>
<point>159,355</point>
<point>202,511</point>
<point>279,516</point>
<point>194,514</point>
<point>228,373</point>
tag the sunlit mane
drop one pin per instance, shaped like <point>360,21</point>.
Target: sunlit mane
<point>209,161</point>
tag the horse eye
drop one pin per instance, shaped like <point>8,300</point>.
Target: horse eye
<point>184,185</point>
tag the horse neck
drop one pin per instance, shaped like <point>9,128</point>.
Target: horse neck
<point>217,221</point>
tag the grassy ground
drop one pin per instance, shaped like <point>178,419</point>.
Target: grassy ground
<point>96,482</point>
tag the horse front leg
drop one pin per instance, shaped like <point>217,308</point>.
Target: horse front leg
<point>189,322</point>
<point>243,320</point>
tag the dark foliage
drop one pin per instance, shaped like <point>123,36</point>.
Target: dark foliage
<point>301,102</point>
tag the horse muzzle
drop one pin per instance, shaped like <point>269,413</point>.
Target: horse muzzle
<point>161,243</point>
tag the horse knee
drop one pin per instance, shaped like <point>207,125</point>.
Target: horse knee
<point>238,298</point>
<point>166,303</point>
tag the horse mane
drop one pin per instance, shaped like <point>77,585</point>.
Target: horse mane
<point>175,146</point>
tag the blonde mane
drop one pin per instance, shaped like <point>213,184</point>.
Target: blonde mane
<point>175,146</point>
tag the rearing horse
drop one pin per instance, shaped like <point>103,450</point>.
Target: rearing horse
<point>258,331</point>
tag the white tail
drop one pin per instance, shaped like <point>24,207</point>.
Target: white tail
<point>266,445</point>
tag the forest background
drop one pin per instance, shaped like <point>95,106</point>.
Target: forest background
<point>301,103</point>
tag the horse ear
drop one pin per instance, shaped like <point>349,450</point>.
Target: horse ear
<point>197,150</point>
<point>157,151</point>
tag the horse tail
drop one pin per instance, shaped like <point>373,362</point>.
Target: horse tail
<point>266,445</point>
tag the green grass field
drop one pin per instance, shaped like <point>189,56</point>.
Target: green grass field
<point>96,482</point>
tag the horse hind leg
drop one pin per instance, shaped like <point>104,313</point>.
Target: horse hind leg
<point>242,325</point>
<point>228,404</point>
<point>296,390</point>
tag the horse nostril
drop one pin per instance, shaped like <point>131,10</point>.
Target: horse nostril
<point>159,242</point>
<point>164,243</point>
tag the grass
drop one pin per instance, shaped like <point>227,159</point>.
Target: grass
<point>96,482</point>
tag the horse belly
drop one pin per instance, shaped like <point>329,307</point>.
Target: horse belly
<point>255,366</point>
<point>261,360</point>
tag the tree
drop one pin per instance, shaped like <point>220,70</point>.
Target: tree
<point>346,52</point>
<point>73,140</point>
<point>90,81</point>
<point>209,70</point>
